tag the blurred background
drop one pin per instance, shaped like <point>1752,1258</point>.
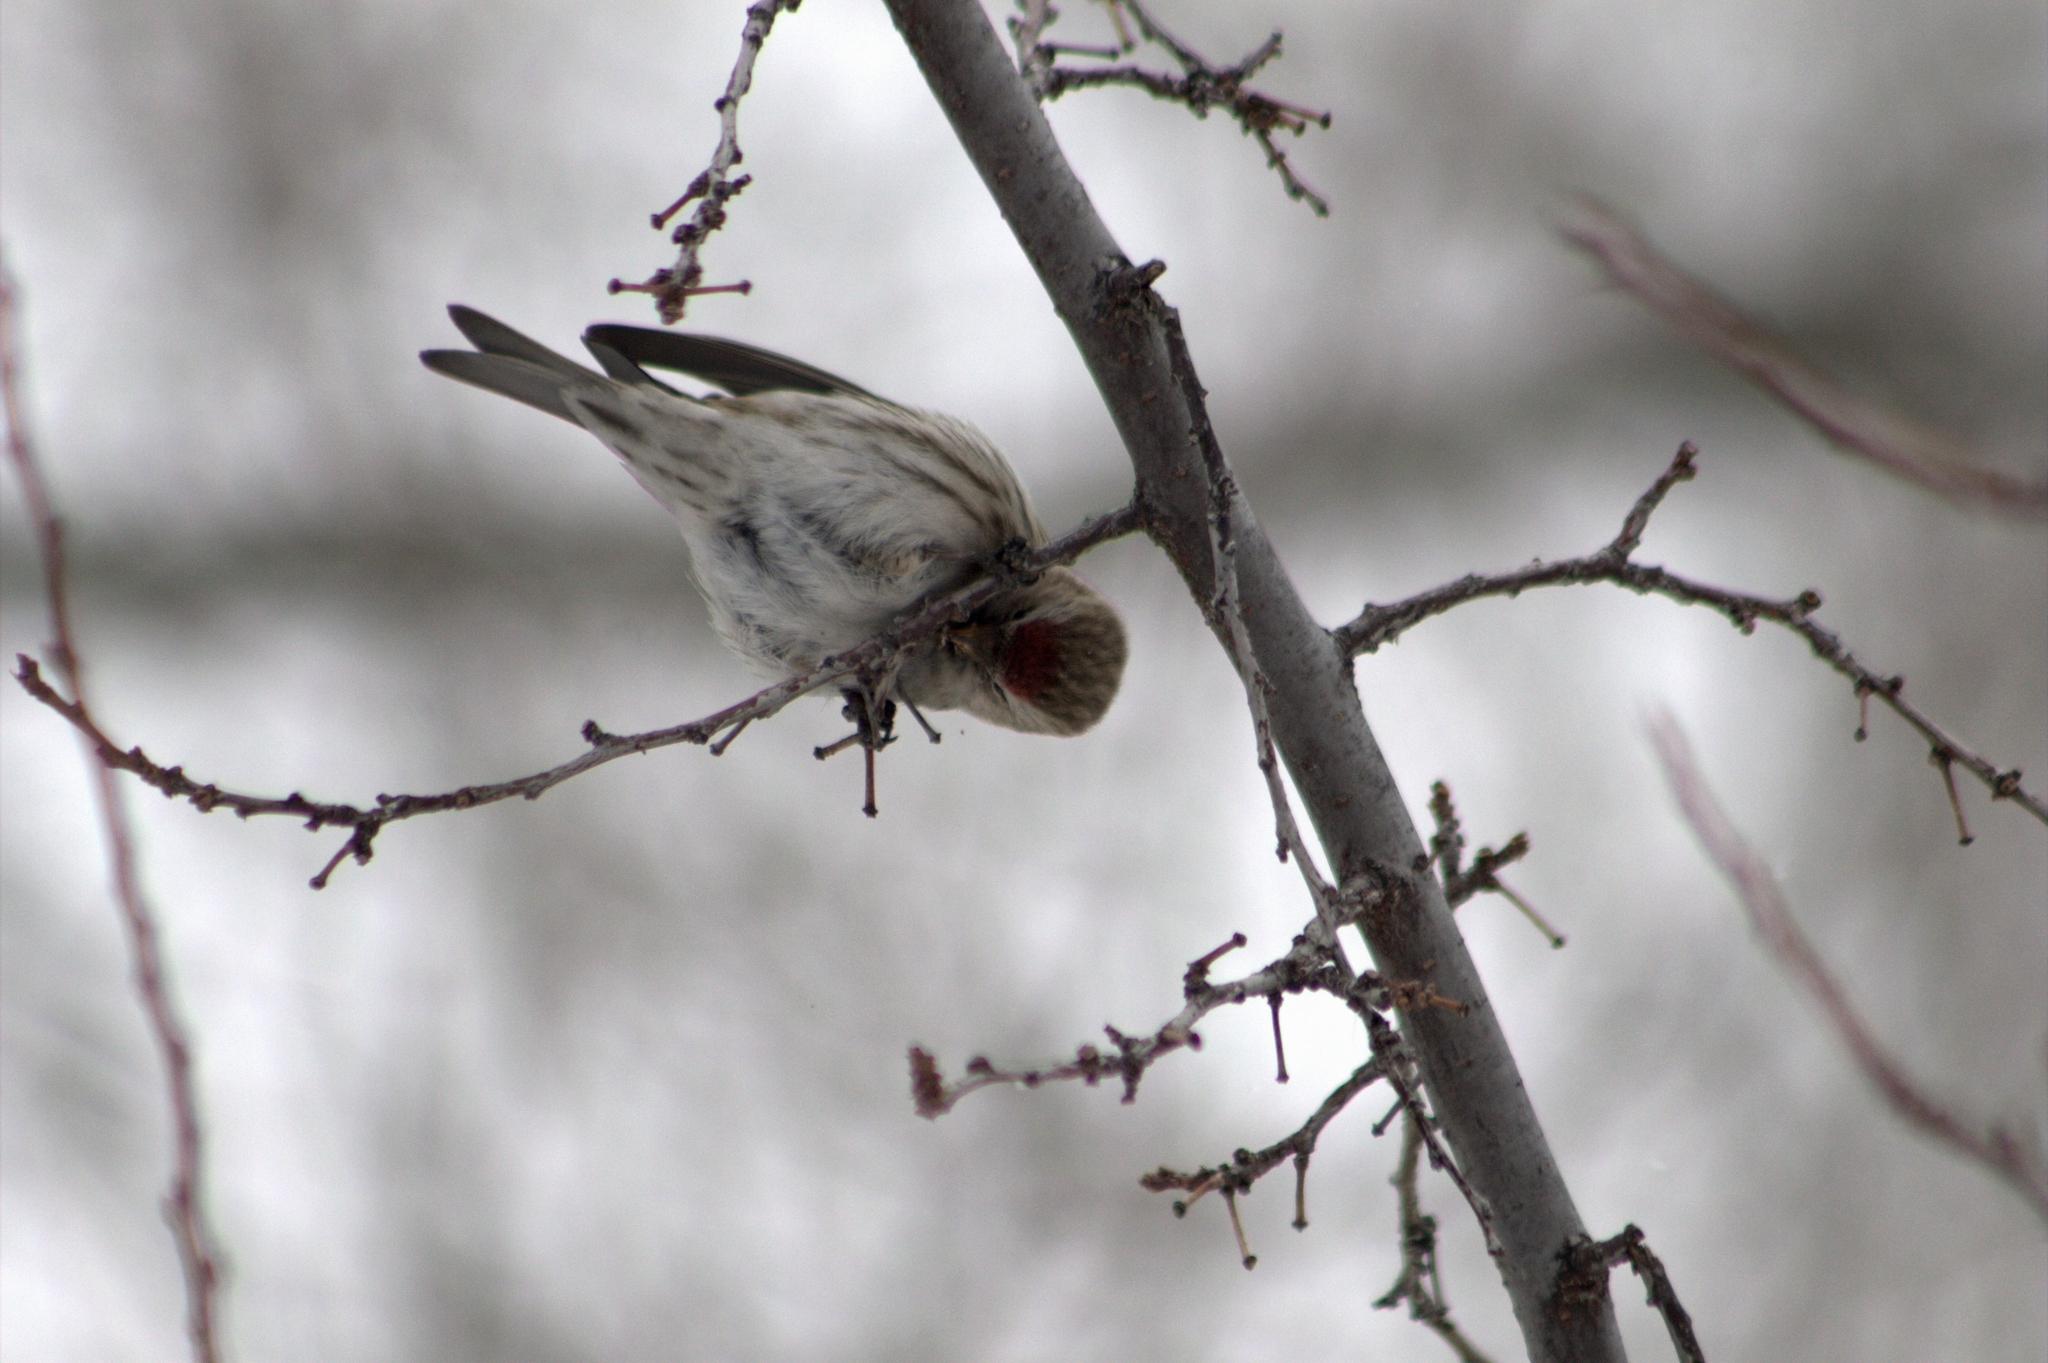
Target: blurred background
<point>619,1074</point>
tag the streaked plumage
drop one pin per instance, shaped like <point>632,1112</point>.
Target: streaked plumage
<point>817,514</point>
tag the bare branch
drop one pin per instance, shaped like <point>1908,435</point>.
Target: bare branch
<point>1856,424</point>
<point>1399,1072</point>
<point>869,658</point>
<point>674,285</point>
<point>1226,615</point>
<point>1419,1283</point>
<point>1996,1148</point>
<point>1247,1167</point>
<point>1377,625</point>
<point>1305,966</point>
<point>1318,726</point>
<point>1447,850</point>
<point>1200,87</point>
<point>185,1204</point>
<point>1589,1262</point>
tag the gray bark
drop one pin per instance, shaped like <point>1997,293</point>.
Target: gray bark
<point>1318,722</point>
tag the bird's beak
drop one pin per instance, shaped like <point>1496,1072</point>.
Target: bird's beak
<point>980,644</point>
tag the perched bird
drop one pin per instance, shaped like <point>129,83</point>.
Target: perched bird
<point>818,514</point>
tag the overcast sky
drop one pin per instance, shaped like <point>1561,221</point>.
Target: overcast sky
<point>619,1074</point>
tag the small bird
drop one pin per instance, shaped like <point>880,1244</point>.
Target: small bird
<point>817,515</point>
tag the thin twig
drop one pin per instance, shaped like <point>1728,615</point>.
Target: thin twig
<point>1305,966</point>
<point>365,822</point>
<point>1247,1167</point>
<point>1419,1283</point>
<point>1226,612</point>
<point>1856,424</point>
<point>674,285</point>
<point>1996,1148</point>
<point>185,1204</point>
<point>1586,1269</point>
<point>1201,86</point>
<point>1386,1048</point>
<point>1379,625</point>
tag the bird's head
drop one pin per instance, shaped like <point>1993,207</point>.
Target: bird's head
<point>1044,658</point>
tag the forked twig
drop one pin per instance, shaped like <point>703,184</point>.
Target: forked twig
<point>1378,625</point>
<point>1201,86</point>
<point>674,285</point>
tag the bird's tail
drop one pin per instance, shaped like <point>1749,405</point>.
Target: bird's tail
<point>510,364</point>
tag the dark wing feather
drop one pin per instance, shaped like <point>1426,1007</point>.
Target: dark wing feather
<point>509,364</point>
<point>536,385</point>
<point>623,369</point>
<point>493,337</point>
<point>738,368</point>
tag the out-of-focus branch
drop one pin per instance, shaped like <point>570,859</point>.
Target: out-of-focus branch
<point>674,285</point>
<point>1201,86</point>
<point>185,1204</point>
<point>1856,424</point>
<point>365,823</point>
<point>1997,1149</point>
<point>1377,625</point>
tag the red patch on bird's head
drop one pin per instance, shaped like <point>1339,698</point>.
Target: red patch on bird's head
<point>1031,664</point>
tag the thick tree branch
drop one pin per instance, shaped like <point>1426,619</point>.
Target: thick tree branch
<point>1318,725</point>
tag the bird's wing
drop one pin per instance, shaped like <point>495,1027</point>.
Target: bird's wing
<point>738,368</point>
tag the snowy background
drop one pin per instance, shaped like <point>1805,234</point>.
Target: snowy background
<point>619,1074</point>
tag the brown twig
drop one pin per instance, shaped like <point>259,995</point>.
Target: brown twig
<point>1226,613</point>
<point>365,823</point>
<point>1200,87</point>
<point>1419,1283</point>
<point>1386,1048</point>
<point>674,285</point>
<point>1996,1148</point>
<point>1447,850</point>
<point>184,1206</point>
<point>1305,966</point>
<point>1378,625</point>
<point>1856,424</point>
<point>1586,1269</point>
<point>1247,1167</point>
